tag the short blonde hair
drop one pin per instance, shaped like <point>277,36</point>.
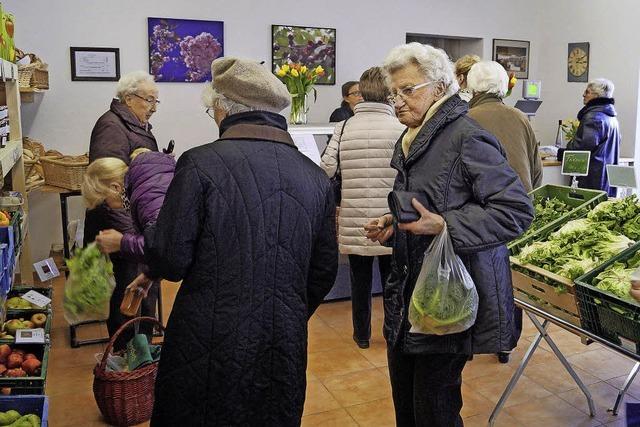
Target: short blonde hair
<point>96,185</point>
<point>137,152</point>
<point>464,64</point>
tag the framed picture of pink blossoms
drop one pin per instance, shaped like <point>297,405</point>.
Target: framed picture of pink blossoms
<point>181,50</point>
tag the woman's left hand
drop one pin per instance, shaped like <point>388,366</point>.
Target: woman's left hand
<point>428,224</point>
<point>108,241</point>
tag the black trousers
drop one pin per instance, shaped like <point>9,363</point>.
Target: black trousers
<point>426,388</point>
<point>361,281</point>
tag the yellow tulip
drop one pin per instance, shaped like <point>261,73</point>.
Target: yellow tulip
<point>281,73</point>
<point>303,69</point>
<point>319,69</point>
<point>285,67</point>
<point>295,73</point>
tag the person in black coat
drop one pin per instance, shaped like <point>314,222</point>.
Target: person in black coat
<point>467,185</point>
<point>598,133</point>
<point>117,133</point>
<point>350,97</point>
<point>248,224</point>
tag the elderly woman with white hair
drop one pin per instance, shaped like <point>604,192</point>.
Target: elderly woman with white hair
<point>488,81</point>
<point>598,133</point>
<point>456,176</point>
<point>117,133</point>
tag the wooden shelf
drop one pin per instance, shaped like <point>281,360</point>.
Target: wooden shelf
<point>9,156</point>
<point>27,94</point>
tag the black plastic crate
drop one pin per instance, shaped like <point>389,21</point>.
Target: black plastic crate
<point>29,384</point>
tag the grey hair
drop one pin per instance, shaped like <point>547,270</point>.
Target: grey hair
<point>489,77</point>
<point>211,98</point>
<point>602,87</point>
<point>130,82</point>
<point>433,63</point>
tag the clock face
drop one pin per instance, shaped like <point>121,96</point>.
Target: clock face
<point>578,62</point>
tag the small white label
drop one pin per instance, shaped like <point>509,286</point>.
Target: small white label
<point>30,336</point>
<point>46,269</point>
<point>36,298</point>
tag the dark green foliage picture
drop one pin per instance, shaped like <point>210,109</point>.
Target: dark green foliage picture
<point>307,46</point>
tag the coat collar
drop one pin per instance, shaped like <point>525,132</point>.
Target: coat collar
<point>484,98</point>
<point>604,105</point>
<point>256,125</point>
<point>125,114</point>
<point>375,107</point>
<point>450,110</point>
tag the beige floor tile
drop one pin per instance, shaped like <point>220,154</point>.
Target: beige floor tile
<point>376,354</point>
<point>485,365</point>
<point>604,396</point>
<point>318,399</point>
<point>555,378</point>
<point>503,420</point>
<point>474,403</point>
<point>550,412</point>
<point>634,390</point>
<point>336,418</point>
<point>378,413</point>
<point>358,387</point>
<point>492,387</point>
<point>68,381</point>
<point>336,362</point>
<point>602,363</point>
<point>322,337</point>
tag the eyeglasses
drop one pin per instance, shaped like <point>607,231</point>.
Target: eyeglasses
<point>151,100</point>
<point>210,112</point>
<point>407,92</point>
<point>356,93</point>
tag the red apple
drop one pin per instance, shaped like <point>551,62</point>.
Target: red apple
<point>5,390</point>
<point>30,356</point>
<point>5,351</point>
<point>31,366</point>
<point>14,361</point>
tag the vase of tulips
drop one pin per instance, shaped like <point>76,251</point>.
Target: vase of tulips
<point>300,80</point>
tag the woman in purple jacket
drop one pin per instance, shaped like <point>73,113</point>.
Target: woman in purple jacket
<point>141,187</point>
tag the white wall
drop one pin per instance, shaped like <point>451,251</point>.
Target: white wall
<point>366,30</point>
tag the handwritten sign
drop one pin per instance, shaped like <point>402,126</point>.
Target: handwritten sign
<point>576,163</point>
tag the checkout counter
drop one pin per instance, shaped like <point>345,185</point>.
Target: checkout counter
<point>552,167</point>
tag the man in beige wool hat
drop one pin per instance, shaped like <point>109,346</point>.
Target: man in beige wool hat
<point>248,224</point>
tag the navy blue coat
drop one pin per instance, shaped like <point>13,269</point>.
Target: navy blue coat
<point>599,133</point>
<point>249,224</point>
<point>463,171</point>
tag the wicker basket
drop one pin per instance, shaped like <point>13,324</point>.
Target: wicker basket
<point>65,172</point>
<point>33,75</point>
<point>125,398</point>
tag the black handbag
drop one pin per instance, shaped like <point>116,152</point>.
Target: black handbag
<point>336,179</point>
<point>401,207</point>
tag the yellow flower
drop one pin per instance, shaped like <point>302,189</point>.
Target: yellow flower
<point>319,69</point>
<point>285,68</point>
<point>295,73</point>
<point>281,72</point>
<point>303,69</point>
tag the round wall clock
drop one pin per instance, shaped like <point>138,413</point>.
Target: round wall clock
<point>578,62</point>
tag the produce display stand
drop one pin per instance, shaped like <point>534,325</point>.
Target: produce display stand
<point>533,311</point>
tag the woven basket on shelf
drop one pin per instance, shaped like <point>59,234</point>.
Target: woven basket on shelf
<point>65,172</point>
<point>125,398</point>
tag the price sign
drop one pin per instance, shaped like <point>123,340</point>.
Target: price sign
<point>30,336</point>
<point>622,176</point>
<point>36,298</point>
<point>46,269</point>
<point>576,163</point>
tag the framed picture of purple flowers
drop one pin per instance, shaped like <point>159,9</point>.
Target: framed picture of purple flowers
<point>181,50</point>
<point>306,46</point>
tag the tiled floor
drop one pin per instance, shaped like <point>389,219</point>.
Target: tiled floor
<point>348,386</point>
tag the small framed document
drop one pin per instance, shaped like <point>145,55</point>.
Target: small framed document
<point>46,269</point>
<point>95,64</point>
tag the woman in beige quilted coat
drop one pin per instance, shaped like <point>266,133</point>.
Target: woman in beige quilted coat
<point>361,147</point>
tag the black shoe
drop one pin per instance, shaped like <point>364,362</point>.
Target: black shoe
<point>362,343</point>
<point>503,357</point>
<point>470,357</point>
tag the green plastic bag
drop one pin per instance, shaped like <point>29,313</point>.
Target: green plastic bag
<point>444,300</point>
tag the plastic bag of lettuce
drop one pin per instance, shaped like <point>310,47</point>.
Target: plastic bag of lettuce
<point>444,300</point>
<point>89,286</point>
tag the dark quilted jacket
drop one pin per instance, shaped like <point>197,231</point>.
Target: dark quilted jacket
<point>147,182</point>
<point>598,133</point>
<point>248,223</point>
<point>463,172</point>
<point>117,133</point>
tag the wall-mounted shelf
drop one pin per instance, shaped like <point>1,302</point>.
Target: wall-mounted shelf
<point>27,94</point>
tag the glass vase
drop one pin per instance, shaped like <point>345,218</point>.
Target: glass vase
<point>299,109</point>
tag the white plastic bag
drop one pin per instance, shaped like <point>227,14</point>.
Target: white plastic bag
<point>444,300</point>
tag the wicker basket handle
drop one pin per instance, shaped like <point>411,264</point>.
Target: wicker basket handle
<point>107,351</point>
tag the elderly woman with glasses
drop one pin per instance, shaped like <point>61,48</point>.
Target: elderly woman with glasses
<point>598,133</point>
<point>461,176</point>
<point>118,133</point>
